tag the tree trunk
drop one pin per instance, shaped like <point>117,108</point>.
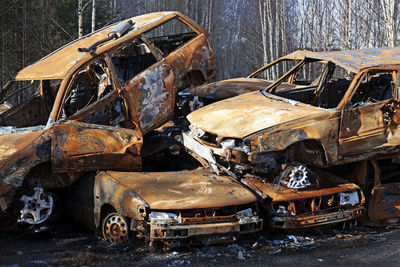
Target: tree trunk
<point>80,18</point>
<point>93,15</point>
<point>388,7</point>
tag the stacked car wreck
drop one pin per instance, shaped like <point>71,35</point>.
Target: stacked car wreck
<point>97,100</point>
<point>329,109</point>
<point>102,128</point>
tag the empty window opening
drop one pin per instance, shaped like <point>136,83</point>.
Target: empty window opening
<point>132,59</point>
<point>375,86</point>
<point>170,36</point>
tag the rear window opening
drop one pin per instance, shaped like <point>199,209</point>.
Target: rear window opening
<point>28,103</point>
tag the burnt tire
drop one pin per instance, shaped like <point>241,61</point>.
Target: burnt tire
<point>115,228</point>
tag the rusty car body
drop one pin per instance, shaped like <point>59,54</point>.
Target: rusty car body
<point>324,122</point>
<point>176,208</point>
<point>91,102</point>
<point>318,198</point>
<point>328,109</point>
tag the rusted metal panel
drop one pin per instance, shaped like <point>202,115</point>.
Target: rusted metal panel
<point>162,232</point>
<point>20,152</point>
<point>280,193</point>
<point>184,189</point>
<point>304,221</point>
<point>196,55</point>
<point>248,114</point>
<point>384,202</point>
<point>384,199</point>
<point>229,88</point>
<point>150,96</point>
<point>80,146</point>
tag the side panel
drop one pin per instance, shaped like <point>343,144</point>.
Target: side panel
<point>323,129</point>
<point>123,200</point>
<point>78,146</point>
<point>362,129</point>
<point>34,148</point>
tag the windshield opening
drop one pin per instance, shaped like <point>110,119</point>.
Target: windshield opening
<point>315,82</point>
<point>28,103</point>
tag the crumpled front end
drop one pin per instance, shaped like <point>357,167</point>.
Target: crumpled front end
<point>191,207</point>
<point>307,199</point>
<point>207,226</point>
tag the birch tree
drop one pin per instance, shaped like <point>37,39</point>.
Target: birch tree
<point>389,12</point>
<point>93,15</point>
<point>80,18</point>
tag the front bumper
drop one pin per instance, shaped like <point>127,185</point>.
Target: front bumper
<point>296,222</point>
<point>182,231</point>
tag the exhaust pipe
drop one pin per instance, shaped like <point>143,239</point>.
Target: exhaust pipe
<point>120,30</point>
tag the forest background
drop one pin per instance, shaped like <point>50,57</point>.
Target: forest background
<point>245,34</point>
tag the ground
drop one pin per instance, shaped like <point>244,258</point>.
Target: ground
<point>65,243</point>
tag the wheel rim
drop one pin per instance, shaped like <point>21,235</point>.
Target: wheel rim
<point>115,228</point>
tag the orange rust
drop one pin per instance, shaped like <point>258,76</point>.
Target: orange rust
<point>344,120</point>
<point>186,189</point>
<point>104,131</point>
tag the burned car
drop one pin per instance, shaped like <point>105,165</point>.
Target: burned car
<point>301,197</point>
<point>175,208</point>
<point>346,112</point>
<point>328,109</point>
<point>88,105</point>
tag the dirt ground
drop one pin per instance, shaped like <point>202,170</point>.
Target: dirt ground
<point>65,243</point>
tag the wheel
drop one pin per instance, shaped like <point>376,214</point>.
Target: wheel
<point>115,228</point>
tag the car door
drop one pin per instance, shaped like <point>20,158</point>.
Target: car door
<point>384,201</point>
<point>78,146</point>
<point>147,83</point>
<point>94,132</point>
<point>369,119</point>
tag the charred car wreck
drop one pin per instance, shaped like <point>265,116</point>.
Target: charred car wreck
<point>88,105</point>
<point>328,109</point>
<point>182,207</point>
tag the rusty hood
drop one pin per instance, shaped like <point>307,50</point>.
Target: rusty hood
<point>189,189</point>
<point>243,115</point>
<point>14,140</point>
<point>233,87</point>
<point>278,193</point>
<point>322,183</point>
<point>229,88</point>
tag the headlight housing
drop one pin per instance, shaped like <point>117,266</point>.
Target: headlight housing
<point>164,218</point>
<point>247,216</point>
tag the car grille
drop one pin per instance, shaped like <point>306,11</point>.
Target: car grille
<point>310,206</point>
<point>214,215</point>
